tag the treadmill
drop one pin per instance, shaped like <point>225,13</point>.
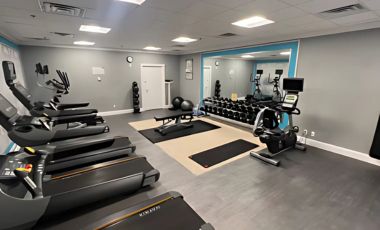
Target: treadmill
<point>168,211</point>
<point>38,109</point>
<point>28,131</point>
<point>28,193</point>
<point>66,148</point>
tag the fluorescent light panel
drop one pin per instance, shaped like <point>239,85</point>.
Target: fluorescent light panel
<point>84,43</point>
<point>152,48</point>
<point>184,40</point>
<point>137,2</point>
<point>247,56</point>
<point>94,29</point>
<point>285,53</point>
<point>252,22</point>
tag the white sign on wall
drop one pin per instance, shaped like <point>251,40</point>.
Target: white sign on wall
<point>98,71</point>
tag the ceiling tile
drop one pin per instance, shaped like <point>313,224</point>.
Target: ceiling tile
<point>295,2</point>
<point>176,5</point>
<point>308,19</point>
<point>228,3</point>
<point>203,10</point>
<point>231,16</point>
<point>263,6</point>
<point>357,19</point>
<point>287,13</point>
<point>371,4</point>
<point>317,6</point>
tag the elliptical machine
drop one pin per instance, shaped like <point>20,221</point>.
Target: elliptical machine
<point>267,124</point>
<point>257,94</point>
<point>277,95</point>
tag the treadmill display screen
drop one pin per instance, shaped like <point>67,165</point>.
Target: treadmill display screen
<point>293,84</point>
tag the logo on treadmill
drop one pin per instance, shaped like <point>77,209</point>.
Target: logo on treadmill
<point>149,211</point>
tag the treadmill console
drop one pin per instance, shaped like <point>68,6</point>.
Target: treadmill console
<point>10,163</point>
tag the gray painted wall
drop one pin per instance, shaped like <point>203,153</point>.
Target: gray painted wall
<point>236,82</point>
<point>190,89</point>
<point>115,87</point>
<point>341,98</point>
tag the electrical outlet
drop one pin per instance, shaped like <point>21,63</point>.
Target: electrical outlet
<point>312,134</point>
<point>305,132</point>
<point>114,106</point>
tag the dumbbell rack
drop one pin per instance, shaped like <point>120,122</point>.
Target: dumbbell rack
<point>238,111</point>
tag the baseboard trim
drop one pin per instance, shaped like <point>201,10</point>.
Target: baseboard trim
<point>343,151</point>
<point>231,121</point>
<point>125,111</point>
<point>116,112</point>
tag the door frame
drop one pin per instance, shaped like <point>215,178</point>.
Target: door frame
<point>163,77</point>
<point>208,67</point>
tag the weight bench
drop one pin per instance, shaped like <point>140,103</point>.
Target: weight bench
<point>176,116</point>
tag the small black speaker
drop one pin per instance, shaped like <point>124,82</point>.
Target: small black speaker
<point>375,149</point>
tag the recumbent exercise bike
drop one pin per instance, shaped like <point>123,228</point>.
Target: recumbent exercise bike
<point>267,124</point>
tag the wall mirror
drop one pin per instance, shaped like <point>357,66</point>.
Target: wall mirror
<point>249,72</point>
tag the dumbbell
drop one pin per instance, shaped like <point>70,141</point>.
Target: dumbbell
<point>215,110</point>
<point>236,115</point>
<point>220,111</point>
<point>243,117</point>
<point>231,114</point>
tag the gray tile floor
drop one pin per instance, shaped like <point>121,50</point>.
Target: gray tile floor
<point>313,190</point>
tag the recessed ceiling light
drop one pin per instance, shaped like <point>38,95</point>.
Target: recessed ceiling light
<point>137,2</point>
<point>94,29</point>
<point>84,43</point>
<point>184,40</point>
<point>251,22</point>
<point>247,56</point>
<point>152,48</point>
<point>285,53</point>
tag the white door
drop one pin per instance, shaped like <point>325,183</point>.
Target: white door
<point>152,86</point>
<point>206,81</point>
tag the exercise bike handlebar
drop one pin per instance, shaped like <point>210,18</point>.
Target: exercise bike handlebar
<point>294,111</point>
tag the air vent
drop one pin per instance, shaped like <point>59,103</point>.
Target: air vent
<point>63,34</point>
<point>227,35</point>
<point>179,46</point>
<point>343,11</point>
<point>55,8</point>
<point>38,39</point>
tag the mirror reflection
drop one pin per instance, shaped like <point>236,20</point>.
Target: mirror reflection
<point>257,75</point>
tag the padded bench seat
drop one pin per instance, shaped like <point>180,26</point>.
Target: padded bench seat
<point>173,115</point>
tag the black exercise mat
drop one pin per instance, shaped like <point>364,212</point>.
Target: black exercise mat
<point>198,127</point>
<point>221,153</point>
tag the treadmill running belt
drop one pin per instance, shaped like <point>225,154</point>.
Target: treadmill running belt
<point>69,183</point>
<point>198,127</point>
<point>221,153</point>
<point>173,214</point>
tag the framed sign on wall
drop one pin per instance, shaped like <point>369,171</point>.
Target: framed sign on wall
<point>189,69</point>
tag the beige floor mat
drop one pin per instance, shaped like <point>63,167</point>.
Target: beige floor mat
<point>181,148</point>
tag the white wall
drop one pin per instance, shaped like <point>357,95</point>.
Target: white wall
<point>9,54</point>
